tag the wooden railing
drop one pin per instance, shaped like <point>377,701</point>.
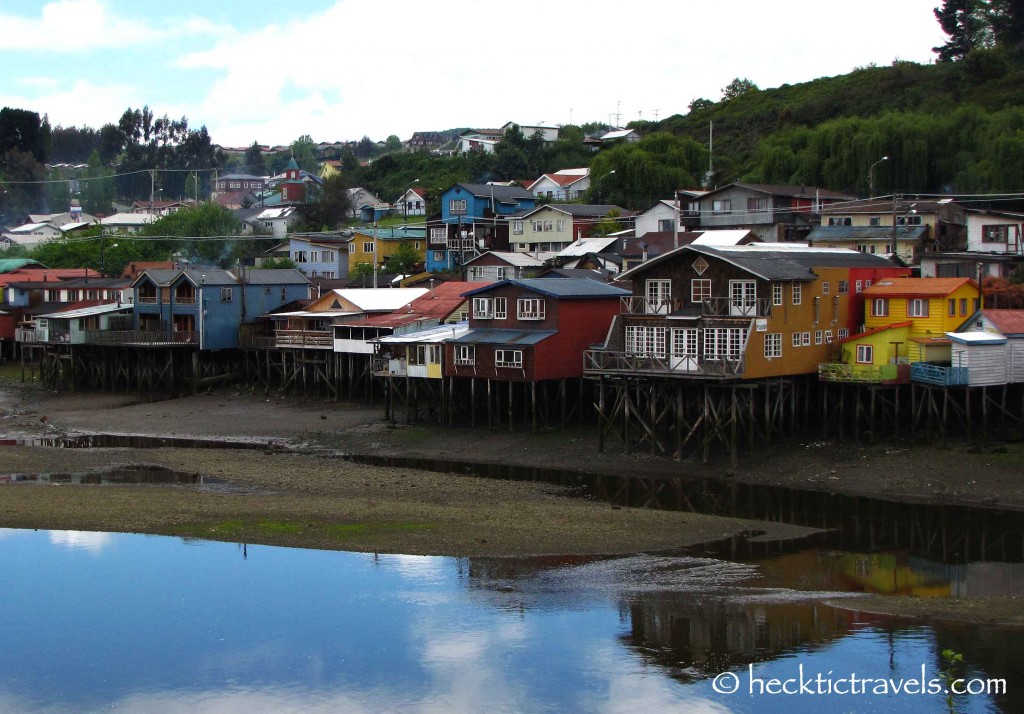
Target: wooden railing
<point>711,307</point>
<point>255,342</point>
<point>606,361</point>
<point>863,373</point>
<point>303,338</point>
<point>140,337</point>
<point>938,374</point>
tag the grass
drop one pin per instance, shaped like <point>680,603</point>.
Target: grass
<point>269,531</point>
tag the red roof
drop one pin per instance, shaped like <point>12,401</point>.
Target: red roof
<point>911,287</point>
<point>421,192</point>
<point>876,330</point>
<point>53,275</point>
<point>1009,322</point>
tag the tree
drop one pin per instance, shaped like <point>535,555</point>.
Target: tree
<point>279,264</point>
<point>1006,18</point>
<point>700,103</point>
<point>360,270</point>
<point>965,23</point>
<point>304,153</point>
<point>331,205</point>
<point>254,159</point>
<point>393,144</point>
<point>97,187</point>
<point>24,190</point>
<point>404,260</point>
<point>22,130</point>
<point>738,87</point>
<point>58,192</point>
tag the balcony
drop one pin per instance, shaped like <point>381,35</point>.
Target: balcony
<point>711,307</point>
<point>144,338</point>
<point>938,374</point>
<point>864,373</point>
<point>303,338</point>
<point>147,300</point>
<point>607,361</point>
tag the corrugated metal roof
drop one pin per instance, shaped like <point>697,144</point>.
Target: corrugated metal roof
<point>438,333</point>
<point>275,276</point>
<point>505,337</point>
<point>380,299</point>
<point>87,311</point>
<point>562,288</point>
<point>840,234</point>
<point>976,338</point>
<point>721,238</point>
<point>895,287</point>
<point>585,246</point>
<point>1009,322</point>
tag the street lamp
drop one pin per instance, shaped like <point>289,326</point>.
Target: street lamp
<point>597,183</point>
<point>871,175</point>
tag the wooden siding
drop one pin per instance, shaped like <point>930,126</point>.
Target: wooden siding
<point>986,364</point>
<point>938,321</point>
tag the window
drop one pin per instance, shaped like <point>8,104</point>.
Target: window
<point>757,205</point>
<point>530,308</point>
<point>796,339</point>
<point>880,307</point>
<point>840,220</point>
<point>659,296</point>
<point>465,355</point>
<point>828,337</point>
<point>508,358</point>
<point>438,256</point>
<point>952,307</point>
<point>798,296</point>
<point>722,206</point>
<point>776,293</point>
<point>666,225</point>
<point>368,247</point>
<point>561,226</point>
<point>858,286</point>
<point>483,308</point>
<point>844,287</point>
<point>351,247</point>
<point>329,274</point>
<point>865,354</point>
<point>723,343</point>
<point>314,256</point>
<point>805,339</point>
<point>457,207</point>
<point>225,294</point>
<point>548,226</point>
<point>500,304</point>
<point>963,307</point>
<point>517,228</point>
<point>645,341</point>
<point>867,283</point>
<point>772,345</point>
<point>301,256</point>
<point>844,332</point>
<point>908,220</point>
<point>825,287</point>
<point>917,307</point>
<point>874,221</point>
<point>328,256</point>
<point>439,235</point>
<point>818,337</point>
<point>995,234</point>
<point>700,289</point>
<point>742,297</point>
<point>416,245</point>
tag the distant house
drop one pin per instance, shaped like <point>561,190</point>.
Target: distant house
<point>234,183</point>
<point>323,255</point>
<point>547,133</point>
<point>989,346</point>
<point>412,203</point>
<point>359,197</point>
<point>479,140</point>
<point>374,246</point>
<point>276,222</point>
<point>426,141</point>
<point>943,221</point>
<point>555,226</point>
<point>777,213</point>
<point>160,208</point>
<point>662,216</point>
<point>995,247</point>
<point>127,223</point>
<point>564,185</point>
<point>620,136</point>
<point>496,265</point>
<point>30,235</point>
<point>907,243</point>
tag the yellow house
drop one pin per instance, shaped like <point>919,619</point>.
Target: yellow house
<point>933,306</point>
<point>376,245</point>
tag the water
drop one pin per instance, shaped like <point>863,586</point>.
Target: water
<point>111,622</point>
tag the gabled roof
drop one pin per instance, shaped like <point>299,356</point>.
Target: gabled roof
<point>87,311</point>
<point>368,299</point>
<point>976,337</point>
<point>774,261</point>
<point>275,276</point>
<point>435,334</point>
<point>519,260</point>
<point>560,288</point>
<point>9,265</point>
<point>808,192</point>
<point>563,178</point>
<point>197,276</point>
<point>1008,322</point>
<point>917,287</point>
<point>505,194</point>
<point>876,330</point>
<point>585,246</point>
<point>579,210</point>
<point>437,303</point>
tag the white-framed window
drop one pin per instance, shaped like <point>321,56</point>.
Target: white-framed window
<point>844,332</point>
<point>757,205</point>
<point>314,256</point>
<point>776,293</point>
<point>500,306</point>
<point>666,225</point>
<point>517,228</point>
<point>721,206</point>
<point>772,345</point>
<point>465,355</point>
<point>825,287</point>
<point>796,339</point>
<point>416,245</point>
<point>530,309</point>
<point>805,339</point>
<point>908,221</point>
<point>858,286</point>
<point>865,354</point>
<point>329,274</point>
<point>874,221</point>
<point>301,256</point>
<point>917,307</point>
<point>328,256</point>
<point>351,247</point>
<point>723,343</point>
<point>840,220</point>
<point>645,341</point>
<point>880,307</point>
<point>700,289</point>
<point>368,247</point>
<point>439,235</point>
<point>798,293</point>
<point>225,294</point>
<point>457,207</point>
<point>483,308</point>
<point>439,256</point>
<point>508,358</point>
<point>818,337</point>
<point>844,287</point>
<point>561,226</point>
<point>995,233</point>
<point>867,283</point>
<point>659,296</point>
<point>828,337</point>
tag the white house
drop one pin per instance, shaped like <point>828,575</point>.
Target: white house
<point>564,185</point>
<point>547,133</point>
<point>412,203</point>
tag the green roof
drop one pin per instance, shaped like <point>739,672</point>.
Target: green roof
<point>9,265</point>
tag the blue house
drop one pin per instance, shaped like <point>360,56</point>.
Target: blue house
<point>472,222</point>
<point>205,307</point>
<point>320,255</point>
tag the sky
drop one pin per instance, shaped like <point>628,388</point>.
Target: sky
<point>338,70</point>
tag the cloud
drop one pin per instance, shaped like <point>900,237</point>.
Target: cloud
<point>65,26</point>
<point>81,103</point>
<point>92,542</point>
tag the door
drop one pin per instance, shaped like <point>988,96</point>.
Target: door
<point>659,297</point>
<point>683,354</point>
<point>742,298</point>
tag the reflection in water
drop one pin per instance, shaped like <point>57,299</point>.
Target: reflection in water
<point>143,624</point>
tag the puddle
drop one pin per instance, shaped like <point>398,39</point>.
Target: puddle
<point>130,475</point>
